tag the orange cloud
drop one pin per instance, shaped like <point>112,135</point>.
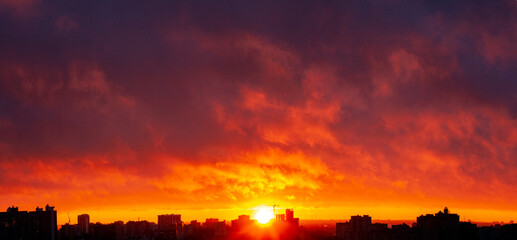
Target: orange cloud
<point>247,176</point>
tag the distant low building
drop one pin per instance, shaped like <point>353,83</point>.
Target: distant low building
<point>358,228</point>
<point>67,232</point>
<point>342,229</point>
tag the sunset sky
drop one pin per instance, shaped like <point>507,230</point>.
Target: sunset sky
<point>130,109</point>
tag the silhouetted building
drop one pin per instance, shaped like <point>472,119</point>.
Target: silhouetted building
<point>343,229</point>
<point>210,223</point>
<point>168,221</point>
<point>83,223</point>
<point>361,228</point>
<point>67,232</point>
<point>100,231</point>
<point>289,217</point>
<point>289,214</point>
<point>120,230</point>
<point>508,232</point>
<point>444,226</point>
<point>192,230</point>
<point>488,233</point>
<point>241,223</point>
<point>358,228</point>
<point>220,229</point>
<point>379,231</point>
<point>360,224</point>
<point>43,224</point>
<point>138,230</point>
<point>14,224</point>
<point>170,226</point>
<point>401,232</point>
<point>39,225</point>
<point>280,217</point>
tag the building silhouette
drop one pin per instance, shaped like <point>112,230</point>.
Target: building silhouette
<point>358,228</point>
<point>138,229</point>
<point>241,223</point>
<point>38,225</point>
<point>220,230</point>
<point>83,223</point>
<point>360,223</point>
<point>439,226</point>
<point>508,232</point>
<point>444,226</point>
<point>170,226</point>
<point>289,218</point>
<point>193,230</point>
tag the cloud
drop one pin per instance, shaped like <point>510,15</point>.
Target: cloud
<point>65,23</point>
<point>246,176</point>
<point>19,8</point>
<point>327,104</point>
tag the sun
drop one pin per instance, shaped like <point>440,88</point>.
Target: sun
<point>263,214</point>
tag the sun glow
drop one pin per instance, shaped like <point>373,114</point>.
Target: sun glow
<point>263,214</point>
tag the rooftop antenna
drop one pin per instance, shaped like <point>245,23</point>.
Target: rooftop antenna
<point>274,208</point>
<point>68,218</point>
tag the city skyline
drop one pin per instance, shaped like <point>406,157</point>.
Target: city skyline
<point>285,214</point>
<point>132,109</point>
<point>273,214</point>
<point>265,224</point>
